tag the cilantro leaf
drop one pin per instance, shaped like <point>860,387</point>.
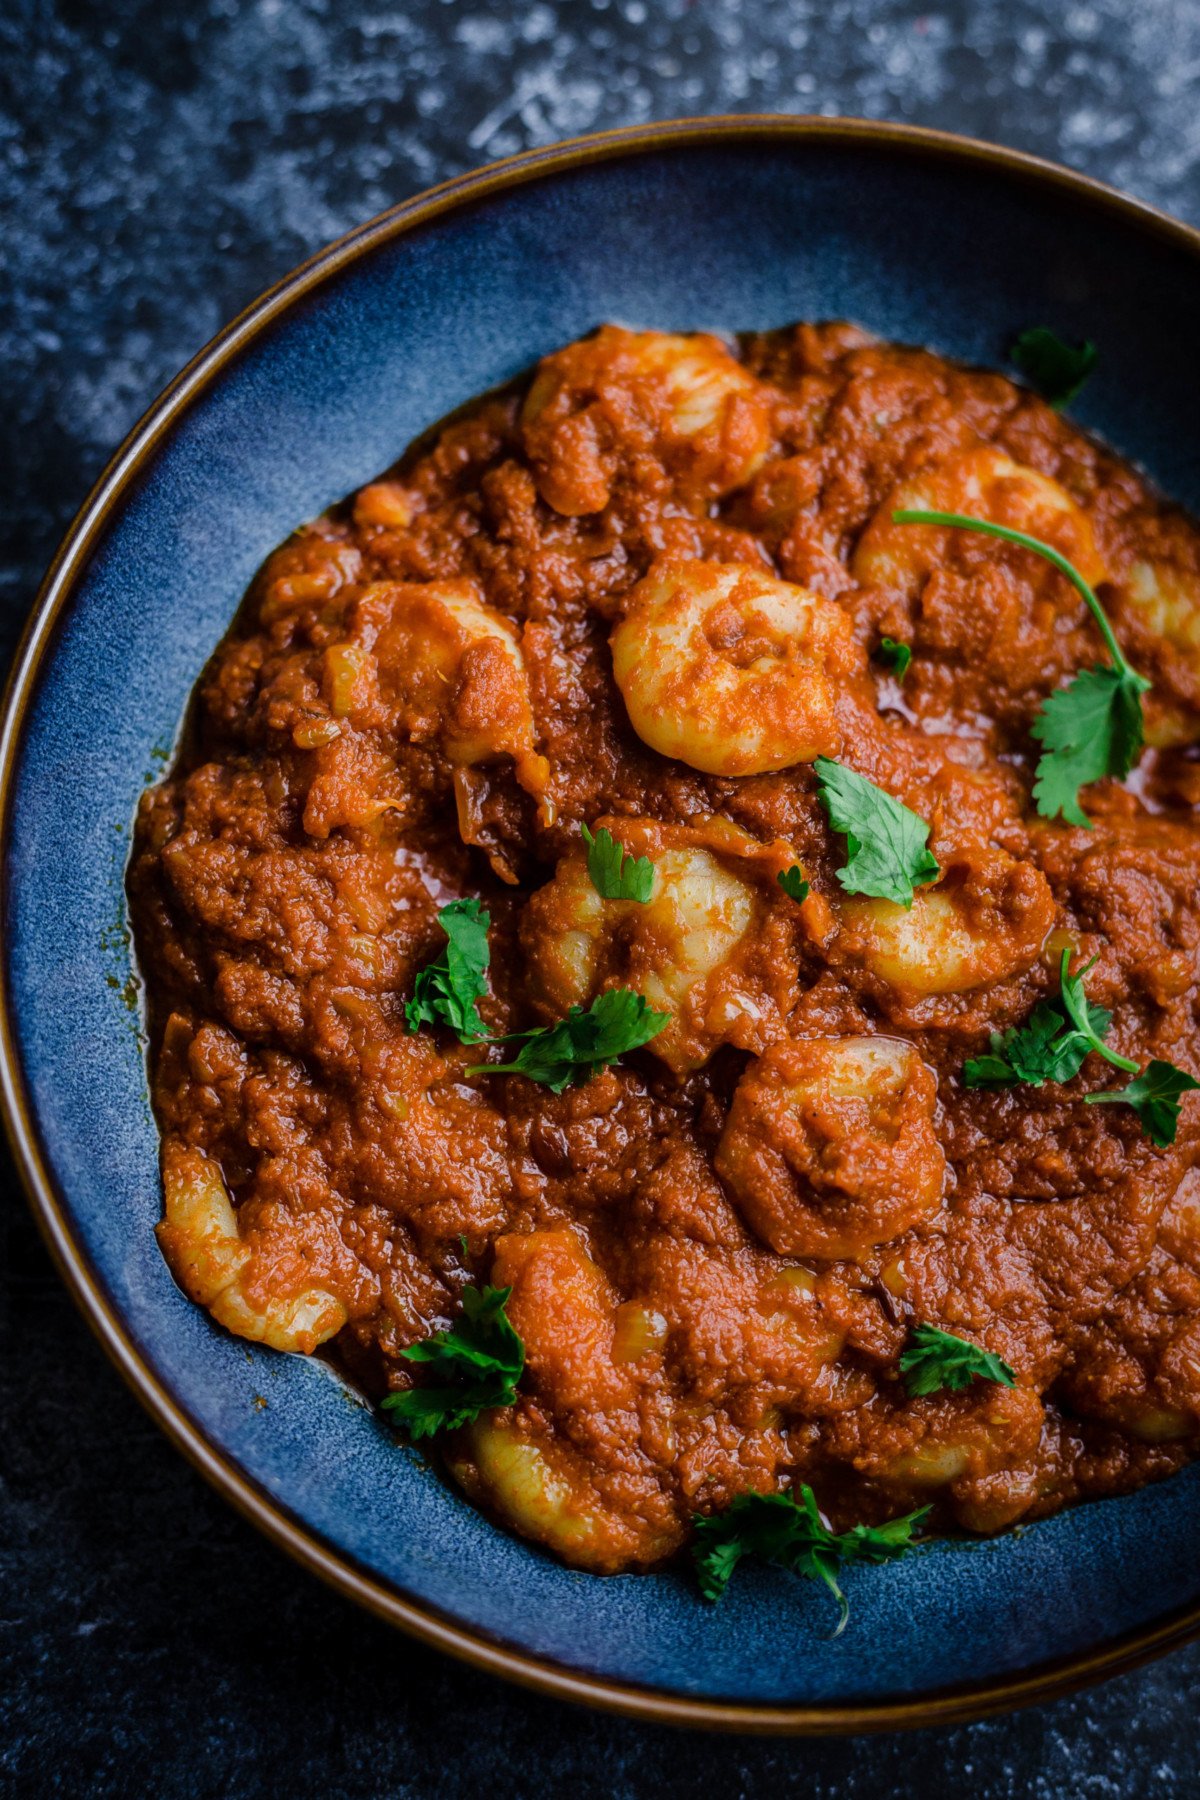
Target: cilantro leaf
<point>881,1543</point>
<point>445,991</point>
<point>939,1362</point>
<point>1090,728</point>
<point>1093,1023</point>
<point>1056,369</point>
<point>1093,726</point>
<point>894,656</point>
<point>816,1552</point>
<point>615,874</point>
<point>780,1529</point>
<point>1052,1043</point>
<point>716,1557</point>
<point>888,844</point>
<point>1154,1095</point>
<point>587,1039</point>
<point>475,1365</point>
<point>1043,1049</point>
<point>994,1070</point>
<point>752,1525</point>
<point>793,883</point>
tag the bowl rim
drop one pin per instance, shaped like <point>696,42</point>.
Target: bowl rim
<point>51,1210</point>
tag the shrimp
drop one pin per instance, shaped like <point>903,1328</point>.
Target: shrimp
<point>598,400</point>
<point>1166,597</point>
<point>541,1487</point>
<point>455,669</point>
<point>729,670</point>
<point>830,1149</point>
<point>985,484</point>
<point>757,1334</point>
<point>426,662</point>
<point>1161,597</point>
<point>218,1269</point>
<point>700,948</point>
<point>1141,1369</point>
<point>986,918</point>
<point>384,505</point>
<point>523,1462</point>
<point>957,1442</point>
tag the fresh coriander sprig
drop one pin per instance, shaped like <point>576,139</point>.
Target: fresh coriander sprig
<point>1056,369</point>
<point>793,883</point>
<point>445,992</point>
<point>615,874</point>
<point>1093,726</point>
<point>1091,1022</point>
<point>1052,1045</point>
<point>1090,728</point>
<point>589,1038</point>
<point>475,1365</point>
<point>1154,1096</point>
<point>1044,1049</point>
<point>894,656</point>
<point>1053,1042</point>
<point>939,1362</point>
<point>792,1533</point>
<point>888,845</point>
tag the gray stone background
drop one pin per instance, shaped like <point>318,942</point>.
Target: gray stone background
<point>160,163</point>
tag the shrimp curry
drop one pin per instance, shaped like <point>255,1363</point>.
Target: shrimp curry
<point>608,959</point>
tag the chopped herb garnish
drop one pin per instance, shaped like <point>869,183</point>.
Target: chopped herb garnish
<point>938,1362</point>
<point>888,844</point>
<point>1056,369</point>
<point>792,1533</point>
<point>1044,1049</point>
<point>1091,1022</point>
<point>616,875</point>
<point>1052,1043</point>
<point>1154,1095</point>
<point>793,883</point>
<point>894,656</point>
<point>445,991</point>
<point>1093,726</point>
<point>474,1365</point>
<point>1090,728</point>
<point>586,1040</point>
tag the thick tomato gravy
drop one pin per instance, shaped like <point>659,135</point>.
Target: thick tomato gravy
<point>718,1246</point>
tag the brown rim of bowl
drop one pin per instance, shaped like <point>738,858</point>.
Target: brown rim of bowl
<point>945,1706</point>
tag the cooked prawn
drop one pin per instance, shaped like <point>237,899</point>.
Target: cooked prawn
<point>698,409</point>
<point>211,1262</point>
<point>729,670</point>
<point>830,1146</point>
<point>986,484</point>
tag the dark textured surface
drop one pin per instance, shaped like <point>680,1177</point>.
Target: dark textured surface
<point>158,166</point>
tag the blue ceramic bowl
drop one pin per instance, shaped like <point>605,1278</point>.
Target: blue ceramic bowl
<point>723,223</point>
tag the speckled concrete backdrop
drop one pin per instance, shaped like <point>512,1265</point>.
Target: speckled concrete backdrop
<point>159,164</point>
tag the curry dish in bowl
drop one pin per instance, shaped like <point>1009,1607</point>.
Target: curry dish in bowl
<point>672,952</point>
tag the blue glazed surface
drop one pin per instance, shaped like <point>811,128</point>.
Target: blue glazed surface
<point>729,237</point>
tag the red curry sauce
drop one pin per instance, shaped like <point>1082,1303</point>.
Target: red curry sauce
<point>718,1246</point>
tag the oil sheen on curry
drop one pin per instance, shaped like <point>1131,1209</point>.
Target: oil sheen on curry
<point>821,888</point>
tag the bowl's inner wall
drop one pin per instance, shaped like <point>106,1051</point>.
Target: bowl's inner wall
<point>933,249</point>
